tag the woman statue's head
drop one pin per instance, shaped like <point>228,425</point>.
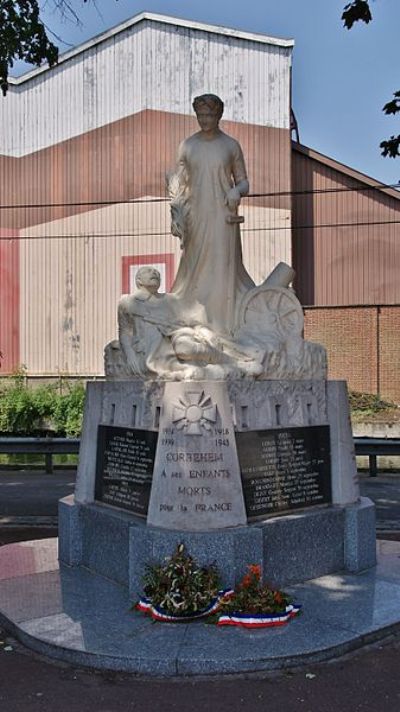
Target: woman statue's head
<point>210,102</point>
<point>209,109</point>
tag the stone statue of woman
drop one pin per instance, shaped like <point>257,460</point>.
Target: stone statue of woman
<point>215,323</point>
<point>206,191</point>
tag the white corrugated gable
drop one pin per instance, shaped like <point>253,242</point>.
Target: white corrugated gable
<point>151,62</point>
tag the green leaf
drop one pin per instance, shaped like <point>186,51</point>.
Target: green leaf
<point>392,107</point>
<point>391,147</point>
<point>356,11</point>
<point>23,36</point>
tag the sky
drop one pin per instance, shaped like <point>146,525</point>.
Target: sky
<point>341,78</point>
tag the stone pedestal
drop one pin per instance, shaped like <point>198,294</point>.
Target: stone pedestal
<point>197,472</point>
<point>290,548</point>
<point>253,405</point>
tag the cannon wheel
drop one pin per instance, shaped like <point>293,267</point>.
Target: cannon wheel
<point>280,304</point>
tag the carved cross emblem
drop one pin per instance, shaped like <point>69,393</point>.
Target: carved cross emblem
<point>194,412</point>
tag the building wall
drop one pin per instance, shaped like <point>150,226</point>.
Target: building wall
<point>346,246</point>
<point>346,252</point>
<point>83,155</point>
<point>126,160</point>
<point>363,345</point>
<point>152,65</point>
<point>9,300</point>
<point>68,318</point>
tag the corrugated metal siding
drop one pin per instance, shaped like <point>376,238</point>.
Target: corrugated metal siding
<point>99,131</point>
<point>346,241</point>
<point>70,286</point>
<point>150,66</point>
<point>61,259</point>
<point>126,160</point>
<point>9,302</point>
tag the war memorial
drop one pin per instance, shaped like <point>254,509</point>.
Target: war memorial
<point>216,427</point>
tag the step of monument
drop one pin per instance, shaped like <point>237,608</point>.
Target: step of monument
<point>73,615</point>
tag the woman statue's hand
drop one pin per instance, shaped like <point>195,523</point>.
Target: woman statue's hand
<point>232,199</point>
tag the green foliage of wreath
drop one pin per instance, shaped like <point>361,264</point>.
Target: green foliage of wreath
<point>180,586</point>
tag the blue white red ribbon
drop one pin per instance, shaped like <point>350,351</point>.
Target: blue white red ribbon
<point>260,620</point>
<point>158,614</point>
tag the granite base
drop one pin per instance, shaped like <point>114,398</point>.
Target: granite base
<point>117,544</point>
<point>290,549</point>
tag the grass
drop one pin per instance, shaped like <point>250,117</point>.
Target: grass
<point>369,407</point>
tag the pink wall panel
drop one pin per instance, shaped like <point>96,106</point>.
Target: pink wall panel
<point>9,300</point>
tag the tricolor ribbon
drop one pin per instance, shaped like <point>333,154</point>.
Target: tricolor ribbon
<point>260,620</point>
<point>158,614</point>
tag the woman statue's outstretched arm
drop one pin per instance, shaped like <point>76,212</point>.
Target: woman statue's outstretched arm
<point>239,175</point>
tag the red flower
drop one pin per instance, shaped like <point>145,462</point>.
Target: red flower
<point>252,577</point>
<point>278,597</point>
<point>246,581</point>
<point>255,569</point>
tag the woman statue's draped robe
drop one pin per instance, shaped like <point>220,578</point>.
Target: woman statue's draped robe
<point>211,271</point>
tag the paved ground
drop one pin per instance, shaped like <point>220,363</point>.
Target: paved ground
<point>384,490</point>
<point>366,681</point>
<point>29,501</point>
<point>25,494</point>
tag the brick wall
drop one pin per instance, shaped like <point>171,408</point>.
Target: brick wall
<point>363,345</point>
<point>389,348</point>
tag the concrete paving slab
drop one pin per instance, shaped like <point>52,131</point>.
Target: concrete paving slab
<point>75,616</point>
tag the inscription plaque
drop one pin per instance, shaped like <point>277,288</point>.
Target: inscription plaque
<point>124,467</point>
<point>284,469</point>
<point>196,483</point>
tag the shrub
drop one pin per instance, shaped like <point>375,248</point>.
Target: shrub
<point>68,411</point>
<point>368,402</point>
<point>29,411</point>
